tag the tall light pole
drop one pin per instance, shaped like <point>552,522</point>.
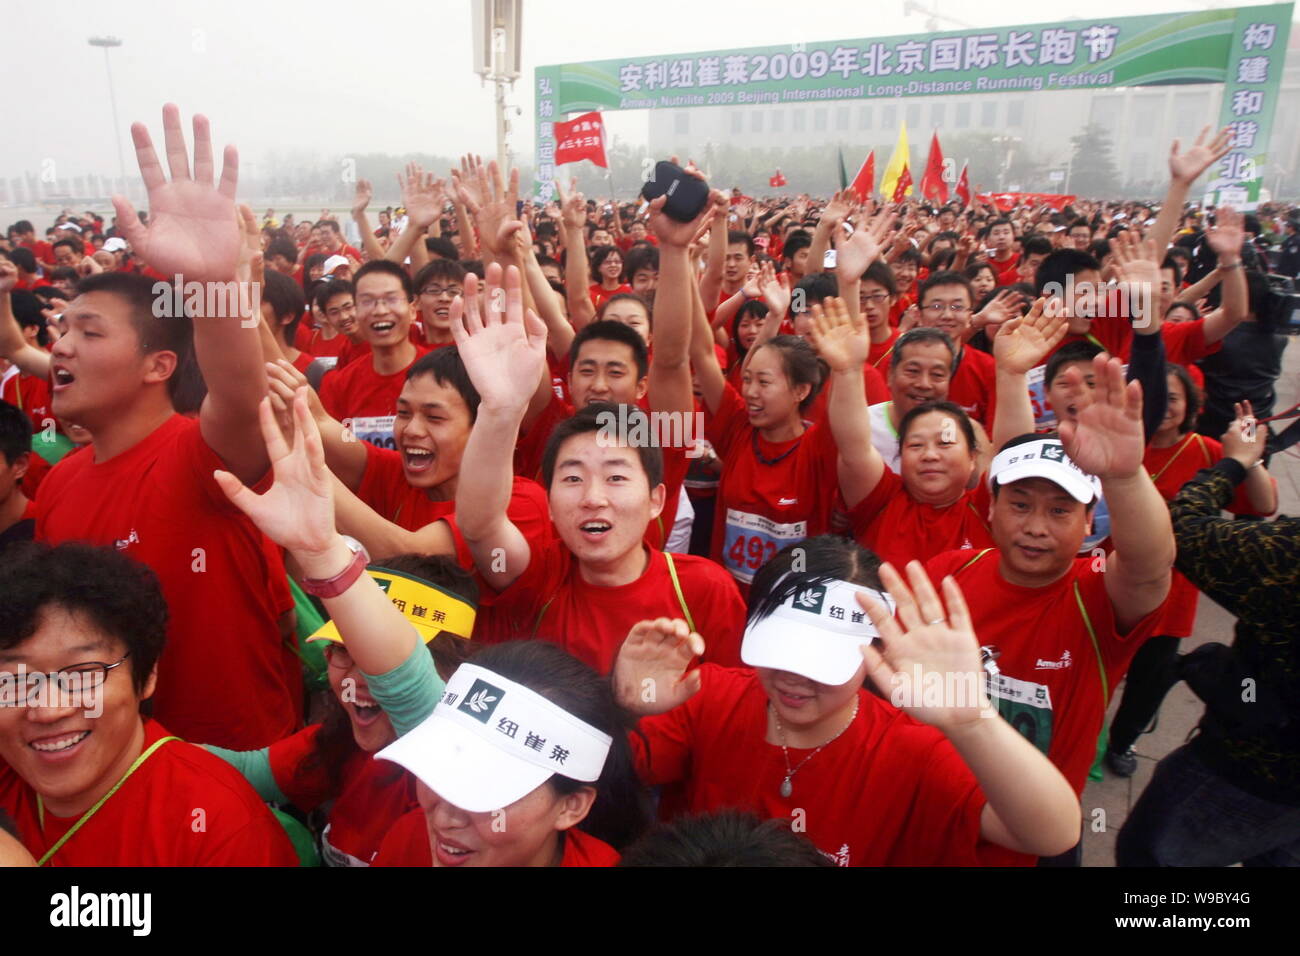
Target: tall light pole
<point>498,35</point>
<point>108,43</point>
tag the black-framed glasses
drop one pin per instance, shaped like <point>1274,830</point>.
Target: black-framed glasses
<point>433,291</point>
<point>71,685</point>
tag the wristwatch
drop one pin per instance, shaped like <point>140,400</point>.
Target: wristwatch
<point>333,587</point>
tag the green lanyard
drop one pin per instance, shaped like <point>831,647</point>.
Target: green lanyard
<point>40,806</point>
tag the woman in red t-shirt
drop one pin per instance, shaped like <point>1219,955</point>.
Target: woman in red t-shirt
<point>888,789</point>
<point>779,474</point>
<point>1174,456</point>
<point>606,275</point>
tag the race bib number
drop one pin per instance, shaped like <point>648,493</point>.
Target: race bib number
<point>376,429</point>
<point>752,541</point>
<point>1026,706</point>
<point>328,362</point>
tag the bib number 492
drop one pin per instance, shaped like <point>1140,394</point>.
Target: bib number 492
<point>752,552</point>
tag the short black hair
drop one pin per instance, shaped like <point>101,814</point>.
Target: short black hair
<point>941,278</point>
<point>947,408</point>
<point>15,433</point>
<point>447,368</point>
<point>331,289</point>
<point>816,288</point>
<point>738,237</point>
<point>442,247</point>
<point>121,597</point>
<point>1191,391</point>
<point>612,331</point>
<point>880,273</point>
<point>280,246</point>
<point>331,225</point>
<point>598,416</point>
<point>917,336</point>
<point>1171,262</point>
<point>387,267</point>
<point>447,270</point>
<point>799,239</point>
<point>909,253</point>
<point>1035,246</point>
<point>23,258</point>
<point>639,257</point>
<point>1070,352</point>
<point>169,334</point>
<point>1062,263</point>
<point>76,245</point>
<point>723,838</point>
<point>286,301</point>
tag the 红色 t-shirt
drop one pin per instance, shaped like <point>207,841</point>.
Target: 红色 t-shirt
<point>898,528</point>
<point>407,844</point>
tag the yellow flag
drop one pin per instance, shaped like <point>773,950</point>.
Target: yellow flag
<point>897,160</point>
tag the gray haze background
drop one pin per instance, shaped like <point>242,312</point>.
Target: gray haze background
<point>292,82</point>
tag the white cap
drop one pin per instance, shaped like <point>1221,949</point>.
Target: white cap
<point>817,633</point>
<point>490,742</point>
<point>333,262</point>
<point>1044,458</point>
<point>115,244</point>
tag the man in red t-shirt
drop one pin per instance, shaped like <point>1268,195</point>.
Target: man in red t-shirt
<point>331,241</point>
<point>586,590</point>
<point>145,485</point>
<point>1005,259</point>
<point>364,395</point>
<point>946,303</point>
<point>87,780</point>
<point>1064,629</point>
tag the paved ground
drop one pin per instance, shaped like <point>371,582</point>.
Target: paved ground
<point>1182,709</point>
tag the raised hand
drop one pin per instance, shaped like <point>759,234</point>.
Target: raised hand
<point>853,254</point>
<point>1107,441</point>
<point>1185,168</point>
<point>8,276</point>
<point>650,673</point>
<point>1003,307</point>
<point>1227,234</point>
<point>1023,343</point>
<point>839,336</point>
<point>498,206</point>
<point>1245,440</point>
<point>297,511</point>
<point>504,351</point>
<point>930,639</point>
<point>192,229</point>
<point>573,205</point>
<point>361,198</point>
<point>466,180</point>
<point>839,208</point>
<point>751,286</point>
<point>422,195</point>
<point>670,232</point>
<point>775,287</point>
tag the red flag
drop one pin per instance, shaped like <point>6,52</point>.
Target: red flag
<point>777,180</point>
<point>963,186</point>
<point>582,137</point>
<point>932,185</point>
<point>864,183</point>
<point>904,183</point>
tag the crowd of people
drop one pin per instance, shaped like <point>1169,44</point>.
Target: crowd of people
<point>410,554</point>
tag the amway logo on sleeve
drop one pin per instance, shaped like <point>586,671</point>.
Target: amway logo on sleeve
<point>134,910</point>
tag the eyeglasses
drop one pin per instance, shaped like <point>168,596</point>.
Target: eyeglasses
<point>937,308</point>
<point>72,685</point>
<point>875,298</point>
<point>434,291</point>
<point>394,301</point>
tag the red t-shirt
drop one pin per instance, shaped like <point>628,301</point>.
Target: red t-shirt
<point>374,796</point>
<point>42,250</point>
<point>385,489</point>
<point>407,844</point>
<point>154,818</point>
<point>340,346</point>
<point>1007,270</point>
<point>1184,341</point>
<point>898,528</point>
<point>1171,468</point>
<point>879,355</point>
<point>764,507</point>
<point>889,791</point>
<point>226,676</point>
<point>31,394</point>
<point>551,601</point>
<point>974,386</point>
<point>302,361</point>
<point>360,393</point>
<point>1051,687</point>
<point>873,385</point>
<point>600,295</point>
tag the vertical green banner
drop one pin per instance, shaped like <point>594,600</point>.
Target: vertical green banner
<point>547,79</point>
<point>1251,90</point>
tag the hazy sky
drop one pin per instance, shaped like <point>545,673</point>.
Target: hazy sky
<point>331,77</point>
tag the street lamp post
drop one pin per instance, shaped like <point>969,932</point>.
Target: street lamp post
<point>109,43</point>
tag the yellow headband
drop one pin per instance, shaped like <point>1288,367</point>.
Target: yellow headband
<point>428,607</point>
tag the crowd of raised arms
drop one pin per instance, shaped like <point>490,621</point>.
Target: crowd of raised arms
<point>419,557</point>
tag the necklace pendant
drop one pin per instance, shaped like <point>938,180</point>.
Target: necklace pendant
<point>787,788</point>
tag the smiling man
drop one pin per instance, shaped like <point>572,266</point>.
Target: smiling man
<point>364,395</point>
<point>1065,626</point>
<point>585,590</point>
<point>946,303</point>
<point>920,370</point>
<point>87,780</point>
